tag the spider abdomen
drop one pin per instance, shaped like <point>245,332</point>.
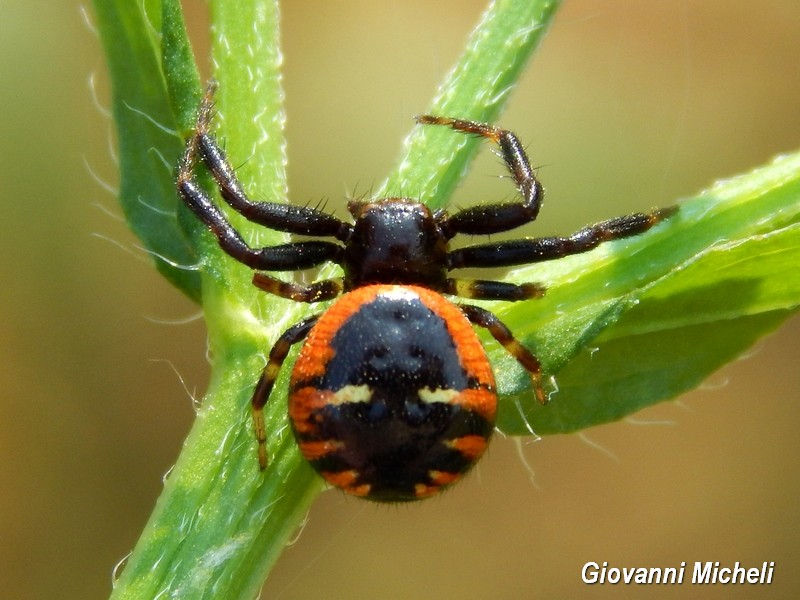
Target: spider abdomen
<point>392,396</point>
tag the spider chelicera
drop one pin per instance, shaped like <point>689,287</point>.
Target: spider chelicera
<point>392,396</point>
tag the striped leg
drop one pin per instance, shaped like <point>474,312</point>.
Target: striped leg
<point>502,334</point>
<point>314,292</point>
<point>277,355</point>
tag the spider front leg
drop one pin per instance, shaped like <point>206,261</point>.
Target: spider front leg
<point>284,257</point>
<point>526,251</point>
<point>301,220</point>
<point>494,218</point>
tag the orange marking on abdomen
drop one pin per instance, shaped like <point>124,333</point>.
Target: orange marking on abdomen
<point>480,401</point>
<point>316,450</point>
<point>442,478</point>
<point>345,480</point>
<point>468,346</point>
<point>471,446</point>
<point>302,403</point>
<point>317,351</point>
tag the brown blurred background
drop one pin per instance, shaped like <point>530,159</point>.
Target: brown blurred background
<point>629,104</point>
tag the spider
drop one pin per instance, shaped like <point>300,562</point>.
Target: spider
<point>392,397</point>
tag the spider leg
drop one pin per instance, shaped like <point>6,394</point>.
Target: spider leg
<point>494,218</point>
<point>532,250</point>
<point>202,145</point>
<point>314,292</point>
<point>291,256</point>
<point>503,335</point>
<point>277,356</point>
<point>481,289</point>
<point>284,257</point>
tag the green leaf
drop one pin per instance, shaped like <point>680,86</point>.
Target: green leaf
<point>180,73</point>
<point>147,137</point>
<point>684,299</point>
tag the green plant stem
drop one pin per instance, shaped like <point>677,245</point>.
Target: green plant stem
<point>661,311</point>
<point>477,88</point>
<point>220,524</point>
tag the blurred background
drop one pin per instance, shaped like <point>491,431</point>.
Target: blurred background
<point>629,104</point>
